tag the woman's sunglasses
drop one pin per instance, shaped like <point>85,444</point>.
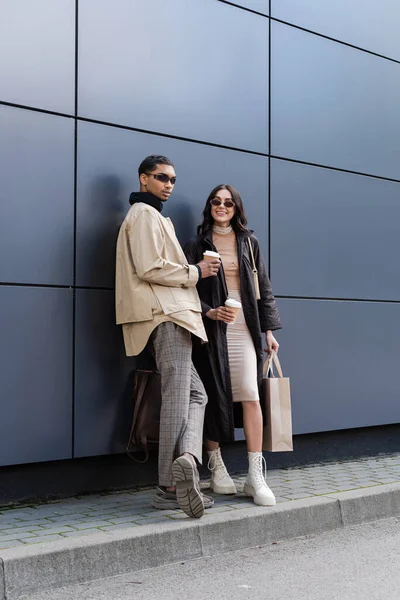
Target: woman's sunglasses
<point>227,203</point>
<point>162,177</point>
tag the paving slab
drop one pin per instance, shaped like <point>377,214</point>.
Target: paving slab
<point>80,539</point>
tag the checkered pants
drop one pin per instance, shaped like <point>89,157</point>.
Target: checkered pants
<point>183,398</point>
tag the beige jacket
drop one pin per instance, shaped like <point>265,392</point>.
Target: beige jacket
<point>150,262</point>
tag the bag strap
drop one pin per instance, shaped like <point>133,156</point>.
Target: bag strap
<point>272,358</point>
<point>138,393</point>
<point>252,256</point>
<point>136,460</point>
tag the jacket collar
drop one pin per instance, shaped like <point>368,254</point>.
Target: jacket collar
<point>147,198</point>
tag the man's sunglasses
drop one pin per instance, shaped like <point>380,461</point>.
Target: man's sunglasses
<point>162,177</point>
<point>227,203</point>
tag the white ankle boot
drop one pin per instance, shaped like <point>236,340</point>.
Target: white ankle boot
<point>221,482</point>
<point>255,484</point>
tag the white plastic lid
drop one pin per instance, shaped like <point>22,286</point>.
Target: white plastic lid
<point>211,253</point>
<point>231,303</point>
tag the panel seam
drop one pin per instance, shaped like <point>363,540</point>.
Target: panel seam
<point>332,299</point>
<point>330,168</point>
<point>269,143</point>
<point>332,39</point>
<point>75,236</point>
<point>205,143</point>
<point>244,8</point>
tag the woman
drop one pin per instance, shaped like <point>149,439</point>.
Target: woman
<point>230,365</point>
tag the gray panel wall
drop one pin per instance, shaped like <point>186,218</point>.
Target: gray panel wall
<point>195,86</point>
<point>333,105</point>
<point>342,358</point>
<point>328,233</point>
<point>37,43</point>
<point>260,6</point>
<point>37,187</point>
<point>369,24</point>
<point>104,377</point>
<point>36,374</point>
<point>195,75</point>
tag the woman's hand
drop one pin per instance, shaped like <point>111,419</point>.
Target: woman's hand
<point>222,313</point>
<point>272,344</point>
<point>209,268</point>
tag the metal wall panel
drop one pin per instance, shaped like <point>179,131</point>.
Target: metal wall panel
<point>179,68</point>
<point>333,105</point>
<point>108,161</point>
<point>103,377</point>
<point>35,374</point>
<point>368,24</point>
<point>37,190</point>
<point>342,359</point>
<point>261,6</point>
<point>334,234</point>
<point>37,46</point>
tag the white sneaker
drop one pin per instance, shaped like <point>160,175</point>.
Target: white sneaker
<point>255,485</point>
<point>221,482</point>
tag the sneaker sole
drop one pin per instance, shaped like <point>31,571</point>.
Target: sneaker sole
<point>187,493</point>
<point>174,505</point>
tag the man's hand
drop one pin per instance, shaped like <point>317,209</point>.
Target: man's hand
<point>209,268</point>
<point>272,344</point>
<point>222,313</point>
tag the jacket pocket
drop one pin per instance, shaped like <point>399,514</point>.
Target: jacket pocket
<point>134,303</point>
<point>176,299</point>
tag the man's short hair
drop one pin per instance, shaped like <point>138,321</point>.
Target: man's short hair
<point>149,164</point>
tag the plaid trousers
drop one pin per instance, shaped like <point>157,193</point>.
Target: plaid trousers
<point>183,398</point>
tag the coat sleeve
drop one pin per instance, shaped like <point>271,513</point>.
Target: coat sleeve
<point>146,239</point>
<point>267,308</point>
<point>191,253</point>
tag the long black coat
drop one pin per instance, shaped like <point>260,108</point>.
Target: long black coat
<point>211,360</point>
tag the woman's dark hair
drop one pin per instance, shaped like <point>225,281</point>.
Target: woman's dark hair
<point>149,164</point>
<point>239,220</point>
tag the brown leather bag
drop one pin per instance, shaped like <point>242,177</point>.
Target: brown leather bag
<point>145,428</point>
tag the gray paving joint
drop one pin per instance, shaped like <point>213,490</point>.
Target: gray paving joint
<point>27,570</point>
<point>81,540</point>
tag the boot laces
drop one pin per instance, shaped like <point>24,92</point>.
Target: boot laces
<point>215,462</point>
<point>260,469</point>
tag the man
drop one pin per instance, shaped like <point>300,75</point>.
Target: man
<point>158,307</point>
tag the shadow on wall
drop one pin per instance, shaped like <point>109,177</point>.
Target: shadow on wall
<point>182,216</point>
<point>108,371</point>
<point>108,209</point>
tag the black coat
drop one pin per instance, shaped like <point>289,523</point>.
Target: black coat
<point>211,360</point>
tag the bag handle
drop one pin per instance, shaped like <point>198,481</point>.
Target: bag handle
<point>252,257</point>
<point>139,398</point>
<point>271,359</point>
<point>255,273</point>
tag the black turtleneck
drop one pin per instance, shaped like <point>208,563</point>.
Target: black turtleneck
<point>147,198</point>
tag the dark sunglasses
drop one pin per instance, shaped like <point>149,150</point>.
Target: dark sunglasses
<point>227,203</point>
<point>162,177</point>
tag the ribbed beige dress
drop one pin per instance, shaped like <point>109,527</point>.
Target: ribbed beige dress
<point>242,355</point>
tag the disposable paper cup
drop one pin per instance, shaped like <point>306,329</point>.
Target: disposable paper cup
<point>234,305</point>
<point>210,255</point>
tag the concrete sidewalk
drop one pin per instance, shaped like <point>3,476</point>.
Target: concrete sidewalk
<point>85,538</point>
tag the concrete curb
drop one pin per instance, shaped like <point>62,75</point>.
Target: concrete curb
<point>56,564</point>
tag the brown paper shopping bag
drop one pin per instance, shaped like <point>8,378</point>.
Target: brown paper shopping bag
<point>278,412</point>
